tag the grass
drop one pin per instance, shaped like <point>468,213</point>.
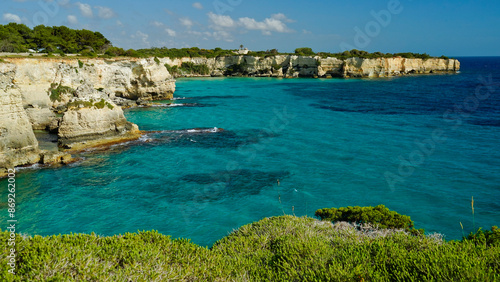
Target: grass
<point>285,248</point>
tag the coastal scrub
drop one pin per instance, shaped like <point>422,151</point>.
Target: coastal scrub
<point>285,248</point>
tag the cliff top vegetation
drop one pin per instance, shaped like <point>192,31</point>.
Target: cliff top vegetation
<point>19,38</point>
<point>285,248</point>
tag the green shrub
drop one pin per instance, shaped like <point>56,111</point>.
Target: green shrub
<point>89,104</point>
<point>80,64</point>
<point>173,70</point>
<point>88,53</point>
<point>157,61</point>
<point>488,237</point>
<point>192,68</point>
<point>133,53</point>
<point>56,90</point>
<point>77,104</point>
<point>276,66</point>
<point>101,104</point>
<point>379,215</point>
<point>237,69</point>
<point>284,248</point>
<point>305,51</point>
<point>114,51</point>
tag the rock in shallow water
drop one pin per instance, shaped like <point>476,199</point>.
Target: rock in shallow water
<point>85,127</point>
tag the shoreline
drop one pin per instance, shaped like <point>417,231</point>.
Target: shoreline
<point>89,94</point>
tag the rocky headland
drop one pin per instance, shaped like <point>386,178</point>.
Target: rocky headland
<point>78,99</point>
<point>289,66</point>
<point>81,100</point>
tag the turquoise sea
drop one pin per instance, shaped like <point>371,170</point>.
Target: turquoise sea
<point>421,145</point>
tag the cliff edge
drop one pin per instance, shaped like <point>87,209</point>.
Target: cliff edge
<point>78,99</point>
<point>311,66</point>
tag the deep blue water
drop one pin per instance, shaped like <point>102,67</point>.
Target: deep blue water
<point>421,145</point>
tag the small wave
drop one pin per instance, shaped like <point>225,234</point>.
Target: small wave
<point>145,139</point>
<point>29,167</point>
<point>204,130</point>
<point>173,105</point>
<point>192,130</point>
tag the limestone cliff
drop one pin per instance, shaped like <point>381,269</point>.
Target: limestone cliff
<point>307,66</point>
<point>18,145</point>
<point>129,78</point>
<point>86,92</point>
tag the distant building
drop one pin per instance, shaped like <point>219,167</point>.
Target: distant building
<point>242,51</point>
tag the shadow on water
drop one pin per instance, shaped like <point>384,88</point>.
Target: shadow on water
<point>231,183</point>
<point>174,105</point>
<point>486,122</point>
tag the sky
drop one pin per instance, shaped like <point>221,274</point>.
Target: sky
<point>439,27</point>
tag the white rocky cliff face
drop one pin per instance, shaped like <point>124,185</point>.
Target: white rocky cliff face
<point>86,92</point>
<point>18,145</point>
<point>80,99</point>
<point>307,66</point>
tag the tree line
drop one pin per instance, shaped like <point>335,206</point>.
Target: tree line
<point>18,38</point>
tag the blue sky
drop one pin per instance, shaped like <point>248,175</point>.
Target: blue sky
<point>454,28</point>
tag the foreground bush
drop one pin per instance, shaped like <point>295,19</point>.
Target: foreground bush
<point>379,215</point>
<point>488,237</point>
<point>282,248</point>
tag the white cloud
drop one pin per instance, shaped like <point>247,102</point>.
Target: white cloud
<point>275,23</point>
<point>198,5</point>
<point>282,17</point>
<point>266,26</point>
<point>105,12</point>
<point>186,22</point>
<point>143,37</point>
<point>157,24</point>
<point>221,21</point>
<point>64,3</point>
<point>85,9</point>
<point>8,17</point>
<point>217,35</point>
<point>222,35</point>
<point>72,19</point>
<point>170,32</point>
<point>119,23</point>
